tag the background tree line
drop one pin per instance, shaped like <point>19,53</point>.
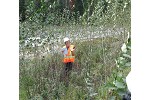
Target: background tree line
<point>51,10</point>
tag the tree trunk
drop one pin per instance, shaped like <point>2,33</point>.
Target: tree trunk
<point>37,4</point>
<point>22,10</point>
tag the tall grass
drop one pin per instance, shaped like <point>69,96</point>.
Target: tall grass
<point>40,76</point>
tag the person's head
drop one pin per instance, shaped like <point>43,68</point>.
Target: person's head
<point>67,41</point>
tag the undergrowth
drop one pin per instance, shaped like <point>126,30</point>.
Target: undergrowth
<point>92,73</point>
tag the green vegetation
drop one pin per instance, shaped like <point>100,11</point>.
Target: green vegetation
<point>92,77</point>
<point>90,12</point>
<point>98,29</point>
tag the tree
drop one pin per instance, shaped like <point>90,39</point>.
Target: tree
<point>22,10</point>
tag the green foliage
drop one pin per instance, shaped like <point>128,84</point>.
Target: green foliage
<point>39,77</point>
<point>123,63</point>
<point>96,74</point>
<point>86,12</point>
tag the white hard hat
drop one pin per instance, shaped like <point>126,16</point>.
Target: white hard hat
<point>66,39</point>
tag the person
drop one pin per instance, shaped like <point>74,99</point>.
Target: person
<point>68,60</point>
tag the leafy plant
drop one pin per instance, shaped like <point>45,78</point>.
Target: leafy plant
<point>123,63</point>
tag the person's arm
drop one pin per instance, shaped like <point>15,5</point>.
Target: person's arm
<point>62,50</point>
<point>72,51</point>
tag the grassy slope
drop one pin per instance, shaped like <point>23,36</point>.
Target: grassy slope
<point>95,60</point>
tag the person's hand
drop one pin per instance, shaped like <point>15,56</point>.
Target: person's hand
<point>72,49</point>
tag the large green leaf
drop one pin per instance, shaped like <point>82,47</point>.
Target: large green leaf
<point>119,84</point>
<point>119,74</point>
<point>112,88</point>
<point>126,55</point>
<point>121,92</point>
<point>112,98</point>
<point>124,48</point>
<point>128,64</point>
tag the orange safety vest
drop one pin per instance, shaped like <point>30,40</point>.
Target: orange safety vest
<point>68,57</point>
